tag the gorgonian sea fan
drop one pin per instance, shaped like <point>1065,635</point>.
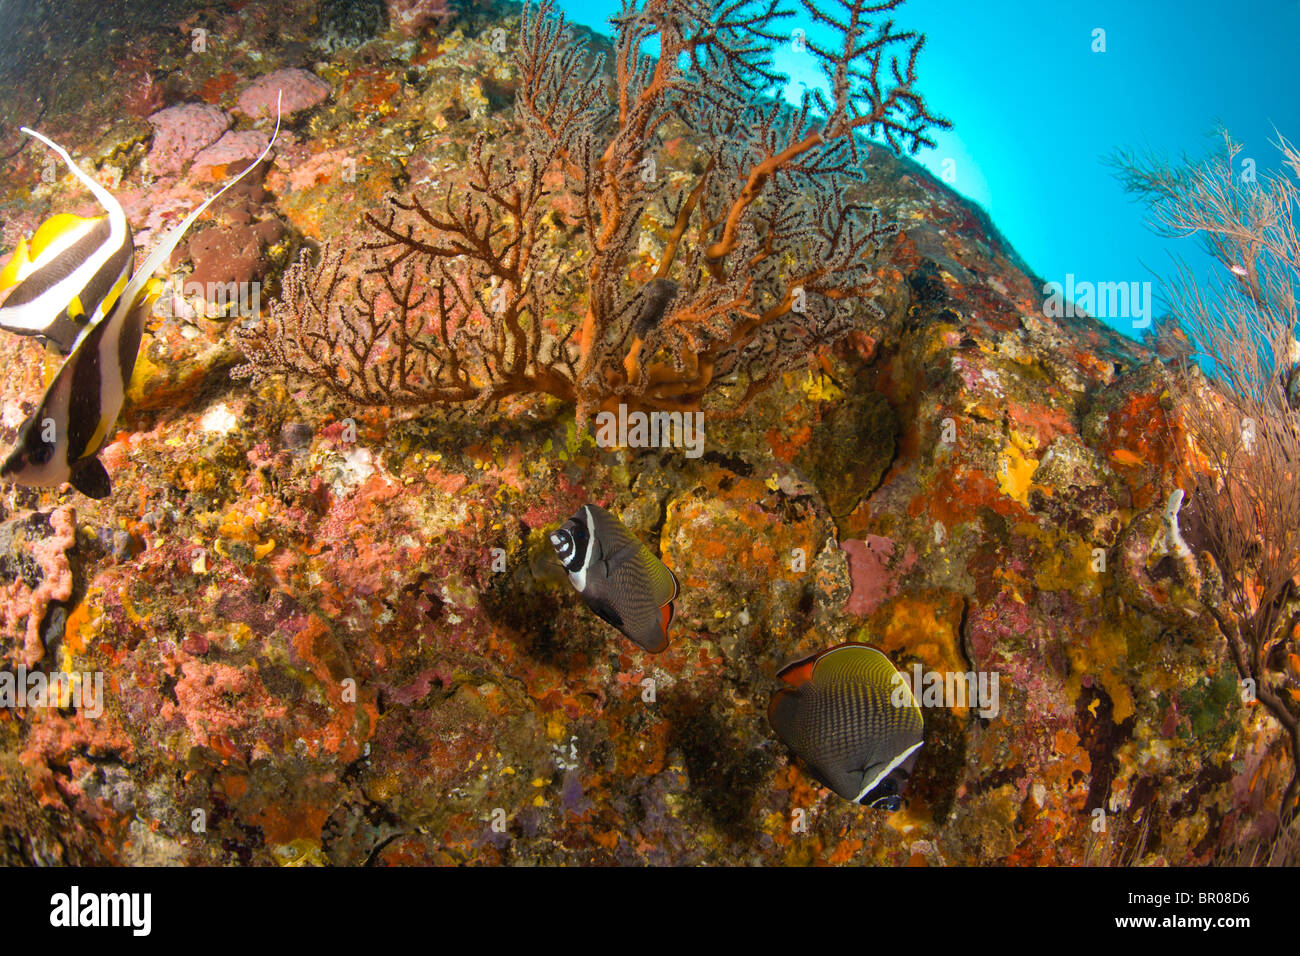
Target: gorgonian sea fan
<point>587,265</point>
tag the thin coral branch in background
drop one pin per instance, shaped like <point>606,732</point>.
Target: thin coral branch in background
<point>760,254</point>
<point>1243,424</point>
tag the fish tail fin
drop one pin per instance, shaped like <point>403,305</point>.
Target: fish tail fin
<point>799,672</point>
<point>646,632</point>
<point>90,478</point>
<point>781,713</point>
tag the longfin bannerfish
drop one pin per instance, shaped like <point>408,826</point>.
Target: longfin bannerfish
<point>61,440</point>
<point>840,716</point>
<point>68,275</point>
<point>618,577</point>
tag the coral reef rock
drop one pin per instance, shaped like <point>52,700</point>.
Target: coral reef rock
<point>342,635</point>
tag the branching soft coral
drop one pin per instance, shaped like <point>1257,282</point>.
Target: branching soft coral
<point>762,255</point>
<point>1242,425</point>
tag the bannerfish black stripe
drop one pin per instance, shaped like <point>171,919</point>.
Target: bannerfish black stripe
<point>128,349</point>
<point>86,395</point>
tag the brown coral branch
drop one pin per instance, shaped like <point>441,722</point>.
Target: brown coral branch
<point>1242,423</point>
<point>481,291</point>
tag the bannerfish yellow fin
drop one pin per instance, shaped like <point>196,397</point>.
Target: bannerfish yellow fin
<point>50,362</point>
<point>58,226</point>
<point>17,268</point>
<point>110,300</point>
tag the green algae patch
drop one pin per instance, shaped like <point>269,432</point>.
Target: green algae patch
<point>851,450</point>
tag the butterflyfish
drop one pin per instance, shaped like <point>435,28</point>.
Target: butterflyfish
<point>853,720</point>
<point>617,576</point>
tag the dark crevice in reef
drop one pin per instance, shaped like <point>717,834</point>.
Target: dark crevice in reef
<point>725,771</point>
<point>927,288</point>
<point>1100,736</point>
<point>555,630</point>
<point>851,451</point>
<point>731,462</point>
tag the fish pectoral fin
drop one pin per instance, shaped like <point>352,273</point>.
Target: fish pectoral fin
<point>870,771</point>
<point>605,611</point>
<point>619,558</point>
<point>90,478</point>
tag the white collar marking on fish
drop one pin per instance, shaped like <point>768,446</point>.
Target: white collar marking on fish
<point>888,768</point>
<point>579,577</point>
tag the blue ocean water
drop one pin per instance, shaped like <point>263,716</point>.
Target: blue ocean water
<point>1035,110</point>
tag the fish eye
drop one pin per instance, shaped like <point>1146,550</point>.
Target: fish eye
<point>40,454</point>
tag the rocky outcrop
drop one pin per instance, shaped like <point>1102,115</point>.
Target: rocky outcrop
<point>340,636</point>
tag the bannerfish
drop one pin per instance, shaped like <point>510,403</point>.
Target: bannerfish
<point>70,272</point>
<point>617,576</point>
<point>841,717</point>
<point>61,440</point>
